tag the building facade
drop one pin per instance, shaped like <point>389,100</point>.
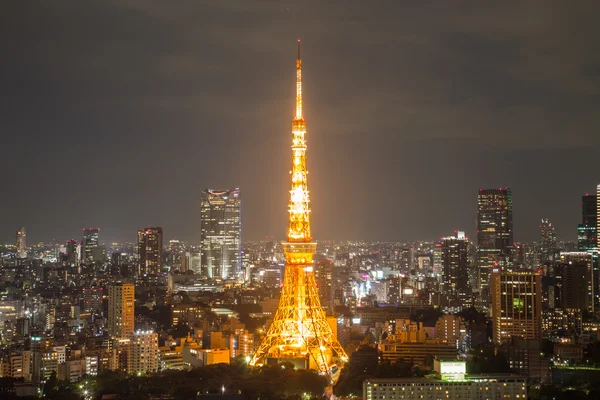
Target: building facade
<point>494,232</point>
<point>455,264</point>
<point>548,241</point>
<point>21,243</point>
<point>150,251</point>
<point>324,275</point>
<point>89,244</point>
<point>121,300</point>
<point>450,382</point>
<point>577,281</point>
<point>587,239</point>
<point>516,305</point>
<point>221,231</point>
<point>143,354</point>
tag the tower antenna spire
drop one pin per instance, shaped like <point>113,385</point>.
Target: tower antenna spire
<point>298,115</point>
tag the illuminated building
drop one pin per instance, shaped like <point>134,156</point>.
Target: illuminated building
<point>450,382</point>
<point>89,244</point>
<point>221,231</point>
<point>195,356</point>
<point>150,251</point>
<point>587,239</point>
<point>451,329</point>
<point>49,365</point>
<point>494,231</point>
<point>92,299</point>
<point>455,277</point>
<point>516,305</point>
<point>245,343</point>
<point>21,243</point>
<point>300,332</point>
<point>548,241</point>
<point>597,213</point>
<point>324,275</point>
<point>71,252</point>
<point>576,280</point>
<point>143,354</point>
<point>420,354</point>
<point>121,298</point>
<point>437,259</point>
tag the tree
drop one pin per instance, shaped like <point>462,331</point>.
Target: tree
<point>50,383</point>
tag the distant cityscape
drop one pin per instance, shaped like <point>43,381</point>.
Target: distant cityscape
<point>452,318</point>
<point>82,307</point>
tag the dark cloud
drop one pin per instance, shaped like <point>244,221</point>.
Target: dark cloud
<point>117,113</point>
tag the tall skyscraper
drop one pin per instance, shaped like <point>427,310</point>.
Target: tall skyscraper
<point>121,302</point>
<point>89,242</point>
<point>21,243</point>
<point>150,251</point>
<point>516,304</point>
<point>221,226</point>
<point>597,215</point>
<point>494,232</point>
<point>548,241</point>
<point>587,239</point>
<point>455,264</point>
<point>300,332</point>
<point>71,255</point>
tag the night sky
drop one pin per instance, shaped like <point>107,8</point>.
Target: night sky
<point>118,113</point>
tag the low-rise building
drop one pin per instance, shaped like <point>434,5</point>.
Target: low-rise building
<point>450,382</point>
<point>421,354</point>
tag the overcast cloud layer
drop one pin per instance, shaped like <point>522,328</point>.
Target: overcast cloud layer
<point>117,113</point>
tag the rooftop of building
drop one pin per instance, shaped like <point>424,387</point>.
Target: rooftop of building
<point>433,379</point>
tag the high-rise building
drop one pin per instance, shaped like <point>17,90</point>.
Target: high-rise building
<point>569,289</point>
<point>494,232</point>
<point>89,243</point>
<point>516,304</point>
<point>597,214</point>
<point>221,225</point>
<point>548,241</point>
<point>455,264</point>
<point>437,259</point>
<point>300,332</point>
<point>143,354</point>
<point>71,255</point>
<point>21,243</point>
<point>121,302</point>
<point>150,251</point>
<point>324,276</point>
<point>577,281</point>
<point>587,237</point>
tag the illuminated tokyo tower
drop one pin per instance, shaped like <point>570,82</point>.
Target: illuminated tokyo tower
<point>300,332</point>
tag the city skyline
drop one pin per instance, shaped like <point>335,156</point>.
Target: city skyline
<point>446,247</point>
<point>403,93</point>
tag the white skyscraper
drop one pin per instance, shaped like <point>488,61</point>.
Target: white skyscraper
<point>221,229</point>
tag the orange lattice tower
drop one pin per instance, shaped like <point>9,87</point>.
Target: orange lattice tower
<point>300,332</point>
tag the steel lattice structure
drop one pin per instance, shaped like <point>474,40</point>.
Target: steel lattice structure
<point>300,329</point>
